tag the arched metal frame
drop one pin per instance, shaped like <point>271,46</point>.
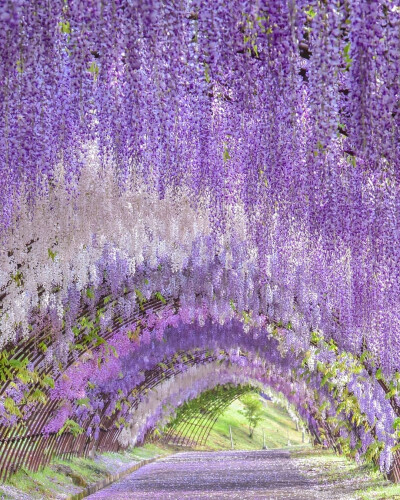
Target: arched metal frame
<point>67,445</point>
<point>26,444</point>
<point>194,425</point>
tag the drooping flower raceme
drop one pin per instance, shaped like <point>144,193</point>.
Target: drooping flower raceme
<point>201,175</point>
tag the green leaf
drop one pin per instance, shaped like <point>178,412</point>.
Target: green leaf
<point>246,317</point>
<point>83,402</point>
<point>24,376</point>
<point>311,12</point>
<point>17,277</point>
<point>48,381</point>
<point>139,295</point>
<point>100,341</point>
<point>391,393</point>
<point>226,154</point>
<point>340,407</point>
<point>316,337</point>
<point>51,254</point>
<point>107,299</point>
<point>65,27</point>
<point>364,356</point>
<point>325,379</point>
<point>42,346</point>
<point>332,345</point>
<point>346,54</point>
<point>160,297</point>
<point>71,426</point>
<point>94,69</point>
<point>20,66</point>
<point>11,407</point>
<point>39,396</point>
<point>18,364</point>
<point>134,335</point>
<point>351,159</point>
<point>85,323</point>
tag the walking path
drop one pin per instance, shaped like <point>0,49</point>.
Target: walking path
<point>270,474</point>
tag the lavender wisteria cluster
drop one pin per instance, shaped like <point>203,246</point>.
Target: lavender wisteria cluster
<point>209,180</point>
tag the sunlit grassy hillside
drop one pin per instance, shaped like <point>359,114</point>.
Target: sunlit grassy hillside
<point>277,425</point>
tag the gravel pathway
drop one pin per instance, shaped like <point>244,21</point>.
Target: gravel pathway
<point>270,474</point>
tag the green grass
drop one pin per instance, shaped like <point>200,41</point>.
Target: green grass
<point>362,480</point>
<point>137,454</point>
<point>276,423</point>
<point>379,492</point>
<point>51,483</point>
<point>54,482</point>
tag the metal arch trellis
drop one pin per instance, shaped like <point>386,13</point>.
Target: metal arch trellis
<point>44,447</point>
<point>193,424</point>
<point>25,444</point>
<point>192,429</point>
<point>152,379</point>
<point>200,432</point>
<point>195,419</point>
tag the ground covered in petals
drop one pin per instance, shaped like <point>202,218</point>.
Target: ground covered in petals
<point>273,474</point>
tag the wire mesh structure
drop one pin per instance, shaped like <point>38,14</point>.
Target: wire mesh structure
<point>33,449</point>
<point>394,474</point>
<point>26,444</point>
<point>195,419</point>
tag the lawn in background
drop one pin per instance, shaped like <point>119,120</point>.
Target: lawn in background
<point>277,425</point>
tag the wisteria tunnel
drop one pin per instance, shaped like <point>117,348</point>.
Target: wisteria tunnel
<point>198,195</point>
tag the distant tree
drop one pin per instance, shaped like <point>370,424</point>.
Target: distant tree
<point>253,409</point>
